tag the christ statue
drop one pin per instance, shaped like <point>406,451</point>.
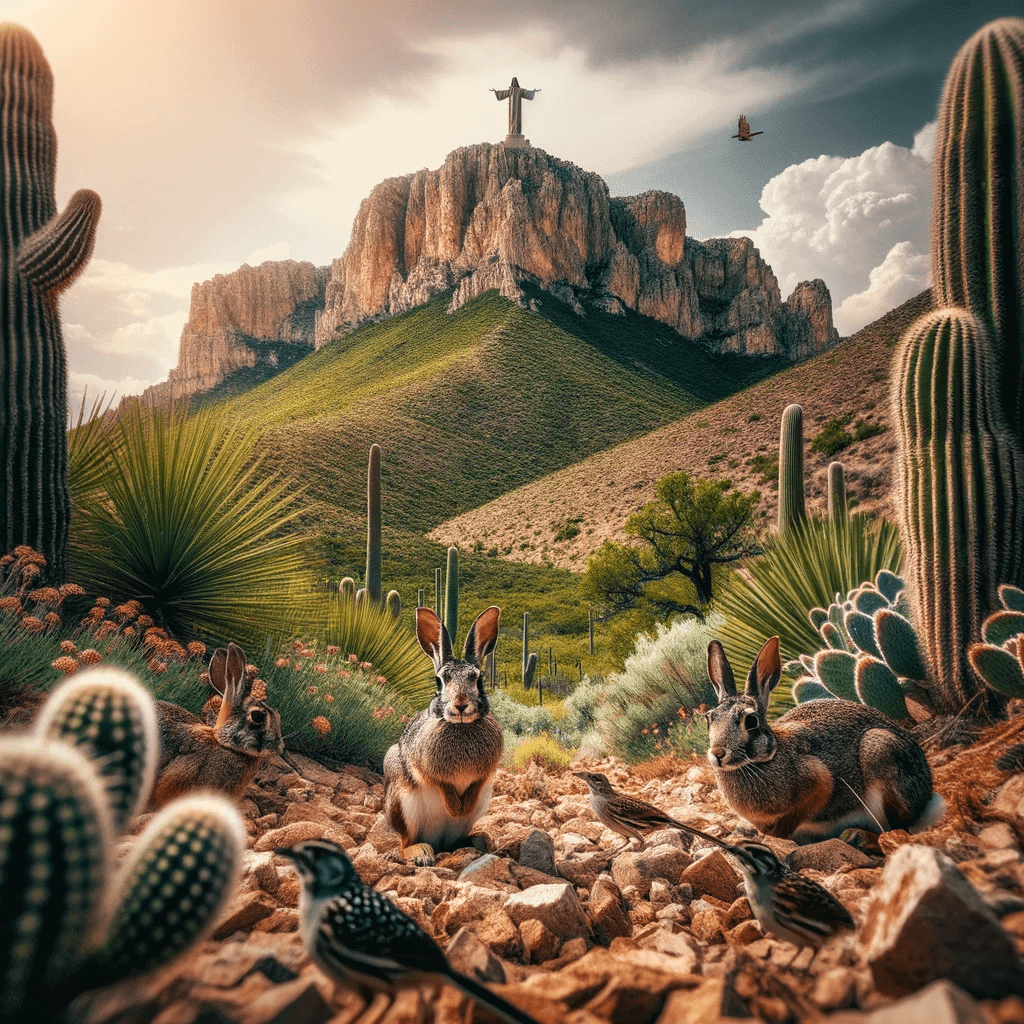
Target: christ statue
<point>515,95</point>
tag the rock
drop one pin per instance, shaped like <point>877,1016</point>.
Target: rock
<point>582,872</point>
<point>835,988</point>
<point>512,219</point>
<point>294,1002</point>
<point>284,919</point>
<point>711,1000</point>
<point>491,871</point>
<point>539,943</point>
<point>914,927</point>
<point>537,851</point>
<point>296,832</point>
<point>253,316</point>
<point>829,856</point>
<point>713,875</point>
<point>940,1003</point>
<point>555,906</point>
<point>243,912</point>
<point>638,869</point>
<point>604,908</point>
<point>313,771</point>
<point>264,871</point>
<point>469,956</point>
<point>744,933</point>
<point>664,938</point>
<point>708,926</point>
<point>499,934</point>
<point>471,904</point>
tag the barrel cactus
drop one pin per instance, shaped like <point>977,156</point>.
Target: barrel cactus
<point>70,922</point>
<point>41,253</point>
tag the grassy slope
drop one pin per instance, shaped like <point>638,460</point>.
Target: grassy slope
<point>722,441</point>
<point>470,405</point>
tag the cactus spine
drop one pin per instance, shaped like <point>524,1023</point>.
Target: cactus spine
<point>978,204</point>
<point>373,542</point>
<point>451,593</point>
<point>792,512</point>
<point>959,463</point>
<point>41,253</point>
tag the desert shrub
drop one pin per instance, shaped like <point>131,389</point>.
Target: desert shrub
<point>544,750</point>
<point>522,722</point>
<point>833,437</point>
<point>865,429</point>
<point>333,706</point>
<point>801,570</point>
<point>650,704</point>
<point>175,511</point>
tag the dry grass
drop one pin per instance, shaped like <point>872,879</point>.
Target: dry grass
<point>716,441</point>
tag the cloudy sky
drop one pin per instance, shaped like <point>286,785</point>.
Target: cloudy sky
<point>222,132</point>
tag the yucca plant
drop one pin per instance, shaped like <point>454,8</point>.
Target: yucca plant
<point>804,569</point>
<point>176,511</point>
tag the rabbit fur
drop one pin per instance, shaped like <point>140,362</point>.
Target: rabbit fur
<point>809,775</point>
<point>439,775</point>
<point>222,753</point>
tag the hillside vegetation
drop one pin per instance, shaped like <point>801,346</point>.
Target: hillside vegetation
<point>562,518</point>
<point>470,405</point>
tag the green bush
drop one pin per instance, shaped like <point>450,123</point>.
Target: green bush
<point>544,750</point>
<point>648,706</point>
<point>833,437</point>
<point>803,570</point>
<point>169,510</point>
<point>333,706</point>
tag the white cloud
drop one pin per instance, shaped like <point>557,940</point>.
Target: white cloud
<point>859,223</point>
<point>92,386</point>
<point>900,276</point>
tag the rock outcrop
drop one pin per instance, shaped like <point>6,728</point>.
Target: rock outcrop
<point>494,217</point>
<point>255,315</point>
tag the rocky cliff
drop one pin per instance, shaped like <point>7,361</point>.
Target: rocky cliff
<point>255,316</point>
<point>493,217</point>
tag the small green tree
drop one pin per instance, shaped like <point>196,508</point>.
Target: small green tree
<point>691,527</point>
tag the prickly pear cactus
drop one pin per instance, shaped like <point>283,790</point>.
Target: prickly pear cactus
<point>872,653</point>
<point>999,658</point>
<point>41,253</point>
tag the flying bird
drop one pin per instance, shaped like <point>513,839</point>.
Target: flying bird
<point>745,134</point>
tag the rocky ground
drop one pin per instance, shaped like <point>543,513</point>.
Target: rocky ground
<point>570,931</point>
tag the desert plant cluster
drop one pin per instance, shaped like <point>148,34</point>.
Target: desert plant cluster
<point>160,544</point>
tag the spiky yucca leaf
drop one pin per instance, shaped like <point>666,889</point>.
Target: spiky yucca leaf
<point>107,715</point>
<point>55,836</point>
<point>168,893</point>
<point>184,518</point>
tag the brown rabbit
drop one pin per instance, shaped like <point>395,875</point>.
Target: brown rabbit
<point>226,755</point>
<point>438,776</point>
<point>823,767</point>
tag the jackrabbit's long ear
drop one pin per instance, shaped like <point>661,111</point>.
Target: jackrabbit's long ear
<point>218,668</point>
<point>765,672</point>
<point>236,686</point>
<point>720,671</point>
<point>433,638</point>
<point>482,637</point>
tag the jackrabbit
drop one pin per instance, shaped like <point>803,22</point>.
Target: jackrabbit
<point>226,755</point>
<point>824,766</point>
<point>438,776</point>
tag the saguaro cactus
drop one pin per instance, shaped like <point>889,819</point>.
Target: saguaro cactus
<point>41,253</point>
<point>451,593</point>
<point>978,206</point>
<point>373,544</point>
<point>792,510</point>
<point>961,502</point>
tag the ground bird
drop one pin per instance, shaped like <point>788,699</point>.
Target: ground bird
<point>360,938</point>
<point>745,134</point>
<point>785,903</point>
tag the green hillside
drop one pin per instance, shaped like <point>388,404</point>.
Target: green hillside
<point>470,405</point>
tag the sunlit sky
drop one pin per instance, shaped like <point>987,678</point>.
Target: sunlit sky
<point>222,132</point>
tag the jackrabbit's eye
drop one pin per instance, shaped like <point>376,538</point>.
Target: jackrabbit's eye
<point>437,679</point>
<point>751,722</point>
<point>257,717</point>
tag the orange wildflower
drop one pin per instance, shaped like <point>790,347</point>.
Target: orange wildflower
<point>90,656</point>
<point>322,726</point>
<point>68,646</point>
<point>32,624</point>
<point>45,595</point>
<point>66,664</point>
